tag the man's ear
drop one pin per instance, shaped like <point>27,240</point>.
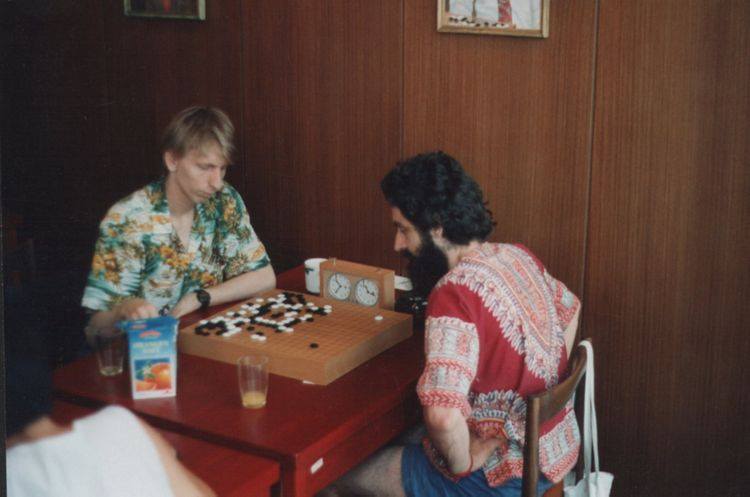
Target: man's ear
<point>437,235</point>
<point>170,160</point>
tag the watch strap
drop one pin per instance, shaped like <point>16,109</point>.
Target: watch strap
<point>204,298</point>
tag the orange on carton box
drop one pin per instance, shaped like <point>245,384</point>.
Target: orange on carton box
<point>153,356</point>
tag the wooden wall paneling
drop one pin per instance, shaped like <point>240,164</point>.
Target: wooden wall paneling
<point>516,113</point>
<point>322,108</point>
<point>54,93</point>
<point>157,67</point>
<point>53,115</point>
<point>326,96</point>
<point>667,271</point>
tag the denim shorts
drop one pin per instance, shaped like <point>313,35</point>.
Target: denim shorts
<point>421,479</point>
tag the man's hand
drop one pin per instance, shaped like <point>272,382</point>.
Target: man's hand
<point>459,446</point>
<point>130,309</point>
<point>136,309</point>
<point>481,450</point>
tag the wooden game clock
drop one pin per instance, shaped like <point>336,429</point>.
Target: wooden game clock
<point>357,283</point>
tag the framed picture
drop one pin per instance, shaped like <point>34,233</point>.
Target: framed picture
<point>494,17</point>
<point>173,9</point>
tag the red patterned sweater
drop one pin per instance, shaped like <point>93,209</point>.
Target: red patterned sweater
<point>494,335</point>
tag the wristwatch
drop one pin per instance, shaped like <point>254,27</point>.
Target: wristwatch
<point>204,298</point>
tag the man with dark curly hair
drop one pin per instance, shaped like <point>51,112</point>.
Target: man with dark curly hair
<point>499,327</point>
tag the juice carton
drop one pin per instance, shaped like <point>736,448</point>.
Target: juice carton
<point>153,356</point>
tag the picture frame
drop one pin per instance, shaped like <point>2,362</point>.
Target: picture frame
<point>527,18</point>
<point>170,9</point>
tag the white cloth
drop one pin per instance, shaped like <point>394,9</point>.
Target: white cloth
<point>461,8</point>
<point>526,13</point>
<point>105,454</point>
<point>486,10</point>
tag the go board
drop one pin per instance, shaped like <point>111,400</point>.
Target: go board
<point>305,337</point>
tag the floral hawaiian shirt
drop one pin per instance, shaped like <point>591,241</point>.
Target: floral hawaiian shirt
<point>138,253</point>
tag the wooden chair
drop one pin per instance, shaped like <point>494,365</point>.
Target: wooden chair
<point>542,407</point>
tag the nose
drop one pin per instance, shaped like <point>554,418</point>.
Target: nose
<point>216,180</point>
<point>399,243</point>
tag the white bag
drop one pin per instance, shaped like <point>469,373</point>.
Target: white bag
<point>598,483</point>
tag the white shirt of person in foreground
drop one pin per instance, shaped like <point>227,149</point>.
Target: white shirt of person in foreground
<point>110,453</point>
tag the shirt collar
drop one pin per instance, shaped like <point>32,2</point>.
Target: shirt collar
<point>157,194</point>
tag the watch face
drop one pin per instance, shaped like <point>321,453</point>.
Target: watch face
<point>339,286</point>
<point>366,292</point>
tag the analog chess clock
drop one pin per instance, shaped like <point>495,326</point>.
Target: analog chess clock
<point>357,283</point>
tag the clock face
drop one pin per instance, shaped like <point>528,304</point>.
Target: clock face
<point>339,286</point>
<point>366,292</point>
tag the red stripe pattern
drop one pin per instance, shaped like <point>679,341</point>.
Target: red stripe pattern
<point>493,336</point>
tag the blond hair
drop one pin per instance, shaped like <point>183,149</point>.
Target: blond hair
<point>197,127</point>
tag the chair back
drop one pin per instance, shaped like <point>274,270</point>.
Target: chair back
<point>542,407</point>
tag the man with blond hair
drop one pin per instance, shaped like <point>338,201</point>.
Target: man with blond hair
<point>183,242</point>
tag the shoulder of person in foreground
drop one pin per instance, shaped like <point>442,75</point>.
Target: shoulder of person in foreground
<point>182,481</point>
<point>152,446</point>
<point>122,446</point>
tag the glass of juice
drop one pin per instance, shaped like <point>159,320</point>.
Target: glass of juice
<point>252,375</point>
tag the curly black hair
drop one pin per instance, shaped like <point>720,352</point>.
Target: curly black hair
<point>433,190</point>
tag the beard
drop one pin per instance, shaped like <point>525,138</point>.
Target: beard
<point>426,268</point>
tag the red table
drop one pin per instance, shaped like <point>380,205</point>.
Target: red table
<point>317,433</point>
